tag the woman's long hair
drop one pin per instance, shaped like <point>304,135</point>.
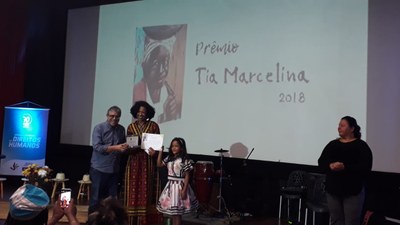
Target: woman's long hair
<point>182,144</point>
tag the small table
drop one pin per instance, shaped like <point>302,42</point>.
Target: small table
<point>25,180</point>
<point>56,182</point>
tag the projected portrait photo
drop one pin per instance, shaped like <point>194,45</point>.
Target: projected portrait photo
<point>159,69</point>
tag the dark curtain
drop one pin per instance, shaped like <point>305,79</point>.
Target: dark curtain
<point>13,23</point>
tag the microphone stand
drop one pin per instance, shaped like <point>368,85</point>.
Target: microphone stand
<point>220,183</point>
<point>221,200</point>
<point>245,160</point>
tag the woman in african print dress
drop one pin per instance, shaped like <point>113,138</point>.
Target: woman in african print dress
<point>141,176</point>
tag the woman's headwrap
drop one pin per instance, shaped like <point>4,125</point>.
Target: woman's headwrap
<point>152,44</point>
<point>27,202</point>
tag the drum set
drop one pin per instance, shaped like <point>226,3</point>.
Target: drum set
<point>204,177</point>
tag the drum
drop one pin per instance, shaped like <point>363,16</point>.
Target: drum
<point>203,174</point>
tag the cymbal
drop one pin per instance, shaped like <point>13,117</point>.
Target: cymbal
<point>221,150</point>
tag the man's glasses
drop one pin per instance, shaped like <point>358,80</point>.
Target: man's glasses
<point>116,117</point>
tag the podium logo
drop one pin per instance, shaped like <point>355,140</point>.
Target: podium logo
<point>27,120</point>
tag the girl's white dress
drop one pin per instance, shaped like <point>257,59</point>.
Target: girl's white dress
<point>170,201</point>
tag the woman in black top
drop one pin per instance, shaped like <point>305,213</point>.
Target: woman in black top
<point>347,162</point>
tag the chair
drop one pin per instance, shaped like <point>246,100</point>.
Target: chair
<point>84,187</point>
<point>316,196</point>
<point>59,179</point>
<point>294,189</point>
<point>2,179</point>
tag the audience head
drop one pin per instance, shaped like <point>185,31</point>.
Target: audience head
<point>28,205</point>
<point>109,212</point>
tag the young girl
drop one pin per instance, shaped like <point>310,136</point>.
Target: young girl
<point>177,198</point>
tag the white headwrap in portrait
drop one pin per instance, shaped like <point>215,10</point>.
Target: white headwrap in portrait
<point>152,44</point>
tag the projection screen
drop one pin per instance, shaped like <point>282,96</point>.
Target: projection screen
<point>275,75</point>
